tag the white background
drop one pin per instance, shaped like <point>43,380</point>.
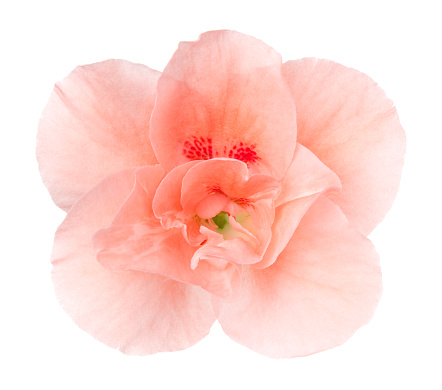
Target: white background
<point>396,43</point>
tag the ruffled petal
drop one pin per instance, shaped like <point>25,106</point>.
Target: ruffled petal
<point>95,123</point>
<point>152,249</point>
<point>306,178</point>
<point>167,202</point>
<point>235,251</point>
<point>287,218</point>
<point>323,287</point>
<point>346,120</point>
<point>137,312</point>
<point>224,96</point>
<point>137,207</point>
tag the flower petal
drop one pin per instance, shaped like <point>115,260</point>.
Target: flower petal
<point>287,218</point>
<point>224,96</point>
<point>306,178</point>
<point>137,207</point>
<point>323,287</point>
<point>346,120</point>
<point>167,201</point>
<point>95,123</point>
<point>138,313</point>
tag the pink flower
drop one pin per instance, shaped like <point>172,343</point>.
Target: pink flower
<point>230,187</point>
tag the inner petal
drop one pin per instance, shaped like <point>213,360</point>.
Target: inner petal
<point>211,206</point>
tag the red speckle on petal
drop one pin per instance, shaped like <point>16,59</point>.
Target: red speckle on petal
<point>198,148</point>
<point>245,153</point>
<point>242,202</point>
<point>215,190</point>
<point>202,149</point>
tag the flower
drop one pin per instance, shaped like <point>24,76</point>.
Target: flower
<point>230,187</point>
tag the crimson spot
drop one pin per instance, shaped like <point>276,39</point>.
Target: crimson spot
<point>201,148</point>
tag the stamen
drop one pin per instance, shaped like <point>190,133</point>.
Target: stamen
<point>230,227</point>
<point>238,227</point>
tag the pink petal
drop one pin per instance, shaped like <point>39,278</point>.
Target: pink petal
<point>167,202</point>
<point>138,313</point>
<point>346,120</point>
<point>224,96</point>
<point>137,207</point>
<point>306,178</point>
<point>287,218</point>
<point>95,123</point>
<point>323,287</point>
<point>212,205</point>
<point>167,205</point>
<point>235,251</point>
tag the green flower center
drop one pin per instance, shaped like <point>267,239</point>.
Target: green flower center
<point>221,220</point>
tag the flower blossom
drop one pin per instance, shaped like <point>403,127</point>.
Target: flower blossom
<point>230,187</point>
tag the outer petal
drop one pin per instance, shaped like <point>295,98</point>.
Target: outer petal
<point>323,287</point>
<point>224,96</point>
<point>95,123</point>
<point>138,205</point>
<point>348,122</point>
<point>136,312</point>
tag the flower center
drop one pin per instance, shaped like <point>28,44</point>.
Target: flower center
<point>221,220</point>
<point>232,227</point>
<point>226,217</point>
